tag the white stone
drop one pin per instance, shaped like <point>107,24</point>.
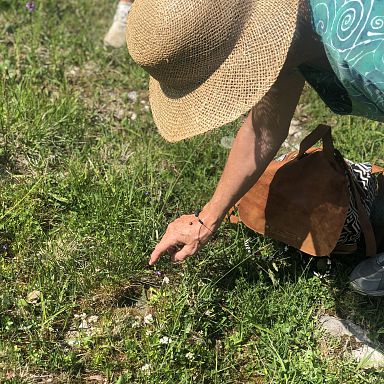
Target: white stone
<point>227,141</point>
<point>132,96</point>
<point>33,297</point>
<point>368,357</point>
<point>340,327</point>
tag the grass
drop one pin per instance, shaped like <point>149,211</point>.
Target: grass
<point>87,188</point>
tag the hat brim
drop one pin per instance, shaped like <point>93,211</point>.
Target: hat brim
<point>238,84</point>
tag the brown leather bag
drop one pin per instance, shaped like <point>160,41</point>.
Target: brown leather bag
<point>303,200</point>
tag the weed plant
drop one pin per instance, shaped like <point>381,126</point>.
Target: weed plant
<point>87,187</point>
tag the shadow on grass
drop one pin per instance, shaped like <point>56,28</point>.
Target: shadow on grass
<point>287,265</point>
<point>7,165</point>
<point>366,311</point>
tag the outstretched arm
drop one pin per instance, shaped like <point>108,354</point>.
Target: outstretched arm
<point>257,142</point>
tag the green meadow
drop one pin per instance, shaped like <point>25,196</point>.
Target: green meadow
<point>87,188</point>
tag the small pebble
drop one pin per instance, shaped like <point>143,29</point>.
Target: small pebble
<point>227,142</point>
<point>132,96</point>
<point>33,297</point>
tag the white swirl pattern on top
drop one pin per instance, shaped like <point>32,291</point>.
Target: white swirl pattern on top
<point>352,32</point>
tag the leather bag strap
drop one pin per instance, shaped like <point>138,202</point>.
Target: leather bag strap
<point>376,169</point>
<point>380,231</point>
<point>321,132</point>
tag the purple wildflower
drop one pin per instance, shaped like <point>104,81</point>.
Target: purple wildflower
<point>158,273</point>
<point>30,6</point>
<point>5,247</point>
<point>146,193</point>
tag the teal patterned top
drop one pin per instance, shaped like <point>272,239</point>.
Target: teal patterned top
<point>352,32</point>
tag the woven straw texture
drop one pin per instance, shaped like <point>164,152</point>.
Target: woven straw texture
<point>209,61</point>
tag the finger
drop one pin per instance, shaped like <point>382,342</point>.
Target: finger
<point>161,248</point>
<point>184,253</point>
<point>173,254</point>
<point>172,250</point>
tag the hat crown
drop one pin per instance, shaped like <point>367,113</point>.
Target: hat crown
<point>182,42</point>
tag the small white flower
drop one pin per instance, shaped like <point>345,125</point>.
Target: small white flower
<point>146,368</point>
<point>190,356</point>
<point>148,319</point>
<point>165,340</point>
<point>93,319</point>
<point>165,280</point>
<point>148,332</point>
<point>137,322</point>
<point>83,324</point>
<point>208,312</point>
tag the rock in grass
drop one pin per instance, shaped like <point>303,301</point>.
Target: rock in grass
<point>340,327</point>
<point>368,357</point>
<point>227,142</point>
<point>132,96</point>
<point>367,353</point>
<point>33,297</point>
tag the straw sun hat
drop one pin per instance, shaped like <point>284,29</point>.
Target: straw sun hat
<point>209,61</point>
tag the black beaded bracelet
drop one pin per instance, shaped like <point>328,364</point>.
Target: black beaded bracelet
<point>197,213</point>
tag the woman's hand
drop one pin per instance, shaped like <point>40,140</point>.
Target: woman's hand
<point>183,238</point>
<point>257,142</point>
